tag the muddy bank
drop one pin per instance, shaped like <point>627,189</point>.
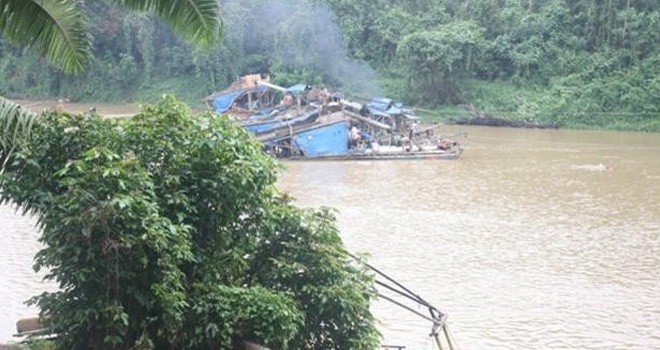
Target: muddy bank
<point>105,109</point>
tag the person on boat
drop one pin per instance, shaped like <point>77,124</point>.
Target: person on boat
<point>396,140</point>
<point>355,136</point>
<point>336,96</point>
<point>324,96</point>
<point>367,139</point>
<point>414,129</point>
<point>287,100</point>
<point>407,144</point>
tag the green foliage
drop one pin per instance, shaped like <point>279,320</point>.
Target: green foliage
<point>435,59</point>
<point>607,93</point>
<point>36,344</point>
<point>166,230</point>
<point>427,53</point>
<point>57,29</point>
<point>511,101</point>
<point>221,315</point>
<point>302,255</point>
<point>576,101</point>
<point>198,20</point>
<point>15,129</point>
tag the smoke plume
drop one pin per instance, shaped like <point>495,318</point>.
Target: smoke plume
<point>301,35</point>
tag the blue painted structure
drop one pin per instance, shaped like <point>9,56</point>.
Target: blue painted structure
<point>324,140</point>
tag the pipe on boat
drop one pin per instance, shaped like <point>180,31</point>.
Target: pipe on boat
<point>272,86</point>
<point>367,120</point>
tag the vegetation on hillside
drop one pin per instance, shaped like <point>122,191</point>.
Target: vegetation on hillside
<point>577,63</point>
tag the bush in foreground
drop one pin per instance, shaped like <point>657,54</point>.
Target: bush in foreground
<point>165,230</point>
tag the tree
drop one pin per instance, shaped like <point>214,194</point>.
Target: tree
<point>58,29</point>
<point>435,59</point>
<point>166,230</point>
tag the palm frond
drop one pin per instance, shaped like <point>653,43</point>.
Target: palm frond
<point>197,20</point>
<point>15,127</point>
<point>57,28</point>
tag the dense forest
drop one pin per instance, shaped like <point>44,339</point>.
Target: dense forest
<point>577,63</point>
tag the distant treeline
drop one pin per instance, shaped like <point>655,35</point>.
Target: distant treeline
<point>576,63</point>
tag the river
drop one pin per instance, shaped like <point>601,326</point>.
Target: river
<point>534,239</point>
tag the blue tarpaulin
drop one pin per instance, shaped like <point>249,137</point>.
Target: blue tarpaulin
<point>223,103</point>
<point>328,140</point>
<point>380,104</point>
<point>297,89</point>
<point>386,105</point>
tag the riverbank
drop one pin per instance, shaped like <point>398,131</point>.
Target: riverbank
<point>504,104</point>
<point>520,105</point>
<point>545,105</point>
<point>111,110</point>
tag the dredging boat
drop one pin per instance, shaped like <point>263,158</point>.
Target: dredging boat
<point>313,124</point>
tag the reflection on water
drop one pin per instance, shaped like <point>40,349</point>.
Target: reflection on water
<point>535,239</point>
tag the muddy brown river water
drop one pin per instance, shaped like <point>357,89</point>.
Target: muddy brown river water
<point>534,239</point>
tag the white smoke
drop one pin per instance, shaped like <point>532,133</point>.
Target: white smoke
<point>300,34</point>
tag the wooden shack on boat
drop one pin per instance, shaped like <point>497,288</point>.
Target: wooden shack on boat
<point>243,98</point>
